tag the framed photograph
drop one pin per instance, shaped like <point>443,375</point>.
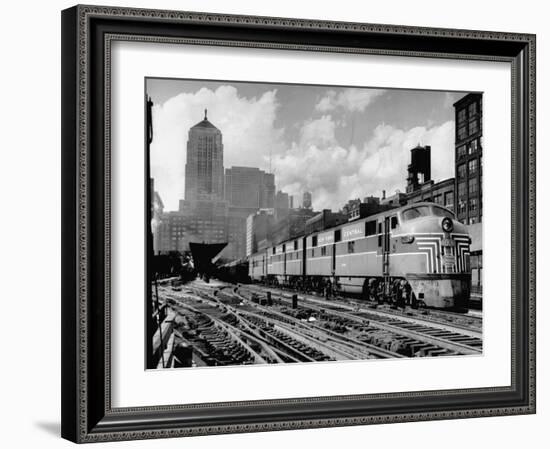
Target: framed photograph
<point>276,224</point>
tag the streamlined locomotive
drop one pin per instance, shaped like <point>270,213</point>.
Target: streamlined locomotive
<point>417,254</point>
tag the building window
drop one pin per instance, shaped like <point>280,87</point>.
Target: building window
<point>438,199</point>
<point>473,127</point>
<point>461,171</point>
<point>473,205</point>
<point>472,220</point>
<point>461,133</point>
<point>351,247</point>
<point>472,166</point>
<point>461,207</point>
<point>472,146</point>
<point>472,109</point>
<point>449,199</point>
<point>472,186</point>
<point>461,115</point>
<point>461,189</point>
<point>461,151</point>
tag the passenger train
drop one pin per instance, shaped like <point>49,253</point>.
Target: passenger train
<point>416,254</point>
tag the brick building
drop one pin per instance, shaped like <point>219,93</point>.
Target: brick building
<point>468,159</point>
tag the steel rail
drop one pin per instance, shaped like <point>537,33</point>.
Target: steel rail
<point>395,329</point>
<point>386,314</point>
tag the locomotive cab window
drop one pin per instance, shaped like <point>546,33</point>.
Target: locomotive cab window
<point>337,235</point>
<point>314,240</point>
<point>416,212</point>
<point>393,222</point>
<point>295,245</point>
<point>441,212</point>
<point>379,234</point>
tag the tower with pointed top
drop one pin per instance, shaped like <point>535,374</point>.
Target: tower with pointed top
<point>204,177</point>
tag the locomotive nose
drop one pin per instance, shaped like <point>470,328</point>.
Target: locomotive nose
<point>447,224</point>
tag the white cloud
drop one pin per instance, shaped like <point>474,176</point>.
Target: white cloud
<point>335,174</point>
<point>248,132</point>
<point>316,162</point>
<point>350,99</point>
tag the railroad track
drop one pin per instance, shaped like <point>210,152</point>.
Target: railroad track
<point>263,343</point>
<point>464,323</point>
<point>406,334</point>
<point>217,342</point>
<point>333,345</point>
<point>438,338</point>
<point>468,325</point>
<point>337,346</point>
<point>245,331</point>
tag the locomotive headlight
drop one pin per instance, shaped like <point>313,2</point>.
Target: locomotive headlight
<point>447,224</point>
<point>407,239</point>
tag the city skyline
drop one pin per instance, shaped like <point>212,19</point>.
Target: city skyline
<point>337,143</point>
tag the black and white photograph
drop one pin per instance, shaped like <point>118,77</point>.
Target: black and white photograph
<point>278,224</point>
<point>293,223</point>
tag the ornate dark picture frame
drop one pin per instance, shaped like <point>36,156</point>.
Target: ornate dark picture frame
<point>87,34</point>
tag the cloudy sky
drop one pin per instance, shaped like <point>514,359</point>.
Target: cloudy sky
<point>336,142</point>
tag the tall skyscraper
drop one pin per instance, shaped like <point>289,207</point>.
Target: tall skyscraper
<point>281,204</point>
<point>306,202</point>
<point>204,167</point>
<point>249,187</point>
<point>247,190</point>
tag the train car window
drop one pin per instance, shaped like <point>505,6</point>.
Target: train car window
<point>284,248</point>
<point>273,250</point>
<point>323,251</point>
<point>337,235</point>
<point>370,228</point>
<point>351,247</point>
<point>295,245</point>
<point>393,222</point>
<point>314,240</point>
<point>379,234</point>
<point>312,252</point>
<point>415,212</point>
